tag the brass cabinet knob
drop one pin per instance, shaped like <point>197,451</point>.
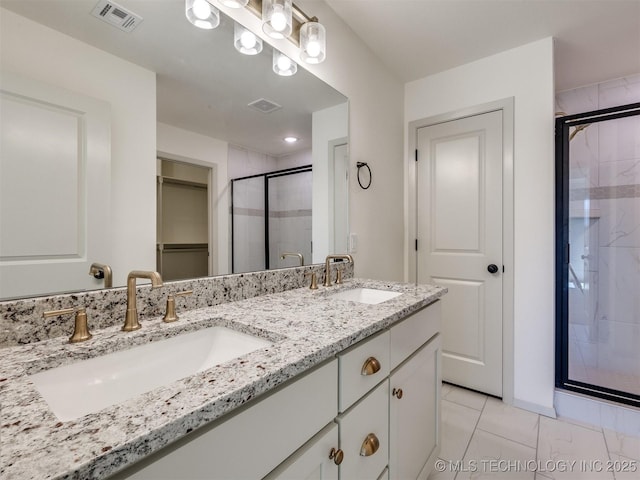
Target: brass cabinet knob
<point>336,455</point>
<point>370,445</point>
<point>397,392</point>
<point>371,365</point>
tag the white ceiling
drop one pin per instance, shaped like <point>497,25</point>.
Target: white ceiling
<point>596,40</point>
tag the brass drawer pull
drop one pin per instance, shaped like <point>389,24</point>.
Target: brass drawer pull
<point>336,455</point>
<point>397,392</point>
<point>371,366</point>
<point>370,445</point>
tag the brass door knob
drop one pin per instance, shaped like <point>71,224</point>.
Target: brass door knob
<point>336,455</point>
<point>371,365</point>
<point>370,445</point>
<point>397,392</point>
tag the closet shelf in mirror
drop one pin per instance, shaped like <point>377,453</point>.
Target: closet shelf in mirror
<point>179,181</point>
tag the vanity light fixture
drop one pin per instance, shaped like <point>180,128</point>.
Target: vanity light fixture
<point>277,19</point>
<point>313,42</point>
<point>245,41</point>
<point>202,14</point>
<point>283,65</point>
<point>234,3</point>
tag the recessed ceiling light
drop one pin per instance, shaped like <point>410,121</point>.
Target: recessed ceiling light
<point>291,139</point>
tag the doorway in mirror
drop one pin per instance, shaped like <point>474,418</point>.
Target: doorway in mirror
<point>183,220</point>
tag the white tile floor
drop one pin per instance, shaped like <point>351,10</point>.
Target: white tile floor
<point>484,438</point>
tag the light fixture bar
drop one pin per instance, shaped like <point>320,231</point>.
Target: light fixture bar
<point>299,18</point>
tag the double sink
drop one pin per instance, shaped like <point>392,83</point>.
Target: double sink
<point>78,389</point>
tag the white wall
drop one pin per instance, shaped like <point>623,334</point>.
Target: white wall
<point>30,49</point>
<point>327,125</point>
<point>525,73</point>
<point>295,159</point>
<point>375,136</point>
<point>178,144</point>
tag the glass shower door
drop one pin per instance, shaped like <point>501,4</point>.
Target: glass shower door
<point>248,224</point>
<point>599,253</point>
<point>289,218</point>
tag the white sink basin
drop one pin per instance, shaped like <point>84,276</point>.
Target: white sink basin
<point>91,385</point>
<point>365,295</point>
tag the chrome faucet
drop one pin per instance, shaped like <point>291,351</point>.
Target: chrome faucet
<point>293,254</point>
<point>327,275</point>
<point>131,319</point>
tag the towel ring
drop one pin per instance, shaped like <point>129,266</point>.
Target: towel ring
<point>360,165</point>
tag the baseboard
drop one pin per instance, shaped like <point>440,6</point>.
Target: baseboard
<point>535,408</point>
<point>601,413</point>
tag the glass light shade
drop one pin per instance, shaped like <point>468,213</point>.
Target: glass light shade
<point>234,3</point>
<point>245,41</point>
<point>313,42</point>
<point>202,14</point>
<point>283,65</point>
<point>277,20</point>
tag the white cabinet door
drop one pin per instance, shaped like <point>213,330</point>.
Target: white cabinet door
<point>414,413</point>
<point>369,417</point>
<point>251,443</point>
<point>314,461</point>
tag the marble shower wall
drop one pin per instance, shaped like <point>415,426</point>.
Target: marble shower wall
<point>21,321</point>
<point>605,204</point>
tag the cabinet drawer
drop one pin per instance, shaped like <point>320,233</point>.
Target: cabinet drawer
<point>312,460</point>
<point>252,442</point>
<point>411,333</point>
<point>354,382</point>
<point>369,416</point>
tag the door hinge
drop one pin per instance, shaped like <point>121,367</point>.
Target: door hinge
<point>416,244</point>
<point>416,154</point>
<point>502,268</point>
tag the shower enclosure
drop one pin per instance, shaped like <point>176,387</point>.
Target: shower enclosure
<point>270,216</point>
<point>598,253</point>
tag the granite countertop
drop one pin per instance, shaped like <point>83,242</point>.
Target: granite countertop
<point>306,327</point>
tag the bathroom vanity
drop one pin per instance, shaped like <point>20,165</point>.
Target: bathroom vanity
<point>343,389</point>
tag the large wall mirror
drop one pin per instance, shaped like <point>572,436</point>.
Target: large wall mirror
<point>120,148</point>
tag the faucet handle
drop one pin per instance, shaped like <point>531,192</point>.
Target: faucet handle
<point>339,276</point>
<point>314,280</point>
<point>170,315</point>
<point>80,330</point>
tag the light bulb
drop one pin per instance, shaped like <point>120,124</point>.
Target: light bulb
<point>313,38</point>
<point>313,48</point>
<point>284,63</point>
<point>201,9</point>
<point>278,19</point>
<point>248,40</point>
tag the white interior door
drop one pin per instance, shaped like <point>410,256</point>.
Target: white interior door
<point>459,232</point>
<point>55,156</point>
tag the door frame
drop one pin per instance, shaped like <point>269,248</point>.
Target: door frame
<point>506,106</point>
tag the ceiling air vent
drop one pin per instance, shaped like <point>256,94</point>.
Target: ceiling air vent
<point>265,106</point>
<point>115,15</point>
